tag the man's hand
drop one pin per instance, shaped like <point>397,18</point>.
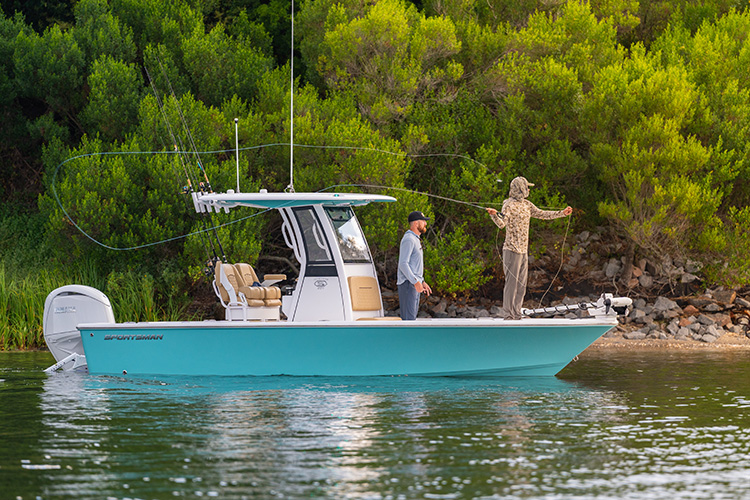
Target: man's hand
<point>568,210</point>
<point>426,288</point>
<point>491,211</point>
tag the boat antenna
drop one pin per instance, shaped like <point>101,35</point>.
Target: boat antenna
<point>237,150</point>
<point>290,187</point>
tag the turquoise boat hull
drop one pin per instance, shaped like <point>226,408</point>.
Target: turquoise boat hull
<point>468,347</point>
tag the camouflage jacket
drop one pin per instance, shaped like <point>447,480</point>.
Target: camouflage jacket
<point>517,211</point>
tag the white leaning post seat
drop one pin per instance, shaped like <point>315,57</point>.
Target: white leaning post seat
<point>242,302</point>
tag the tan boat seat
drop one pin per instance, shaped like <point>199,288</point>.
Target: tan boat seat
<point>242,302</point>
<point>365,293</point>
<point>365,296</point>
<point>271,295</point>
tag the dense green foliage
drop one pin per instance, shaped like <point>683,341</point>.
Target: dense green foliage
<point>636,112</point>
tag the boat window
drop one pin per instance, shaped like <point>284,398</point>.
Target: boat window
<point>348,234</point>
<point>315,242</point>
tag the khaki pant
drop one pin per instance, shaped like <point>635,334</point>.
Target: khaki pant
<point>516,268</point>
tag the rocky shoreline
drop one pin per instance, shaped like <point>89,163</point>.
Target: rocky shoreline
<point>670,309</point>
<point>720,318</point>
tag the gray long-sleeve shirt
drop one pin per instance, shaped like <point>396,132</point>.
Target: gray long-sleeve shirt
<point>410,259</point>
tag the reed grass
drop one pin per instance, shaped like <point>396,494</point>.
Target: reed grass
<point>134,297</point>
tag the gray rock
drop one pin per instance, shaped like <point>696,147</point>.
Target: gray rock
<point>639,304</point>
<point>713,307</point>
<point>666,315</point>
<point>708,338</point>
<point>715,331</point>
<point>664,304</point>
<point>636,335</point>
<point>688,278</point>
<point>496,311</point>
<point>705,320</point>
<point>441,307</point>
<point>683,333</point>
<point>725,296</point>
<point>673,328</point>
<point>722,319</point>
<point>696,327</point>
<point>637,314</point>
<point>742,302</point>
<point>612,268</point>
<point>646,281</point>
<point>482,313</point>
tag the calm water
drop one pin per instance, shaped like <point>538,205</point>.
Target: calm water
<point>618,425</point>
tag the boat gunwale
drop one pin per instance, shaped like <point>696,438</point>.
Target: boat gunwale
<point>425,323</point>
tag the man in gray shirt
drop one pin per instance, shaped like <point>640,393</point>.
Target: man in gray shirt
<point>410,278</point>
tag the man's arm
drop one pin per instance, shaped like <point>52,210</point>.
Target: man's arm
<point>549,214</point>
<point>498,219</point>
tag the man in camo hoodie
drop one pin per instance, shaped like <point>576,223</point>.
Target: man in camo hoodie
<point>515,215</point>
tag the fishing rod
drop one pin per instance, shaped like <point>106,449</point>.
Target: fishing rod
<point>213,257</point>
<point>207,187</point>
<point>206,241</point>
<point>203,187</point>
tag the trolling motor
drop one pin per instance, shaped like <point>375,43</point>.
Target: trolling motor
<point>607,305</point>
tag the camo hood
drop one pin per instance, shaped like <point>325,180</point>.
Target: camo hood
<point>519,188</point>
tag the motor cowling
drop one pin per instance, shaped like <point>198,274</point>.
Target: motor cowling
<point>65,309</point>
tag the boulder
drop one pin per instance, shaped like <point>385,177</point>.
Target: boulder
<point>646,281</point>
<point>705,320</point>
<point>664,304</point>
<point>612,268</point>
<point>725,296</point>
<point>722,319</point>
<point>699,302</point>
<point>636,335</point>
<point>684,322</point>
<point>441,307</point>
<point>715,331</point>
<point>690,310</point>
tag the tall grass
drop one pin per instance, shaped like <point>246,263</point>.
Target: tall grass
<point>134,297</point>
<point>22,308</point>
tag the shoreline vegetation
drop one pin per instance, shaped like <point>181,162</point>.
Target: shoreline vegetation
<point>672,309</point>
<point>635,113</point>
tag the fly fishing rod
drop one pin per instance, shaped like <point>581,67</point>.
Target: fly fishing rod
<point>204,186</point>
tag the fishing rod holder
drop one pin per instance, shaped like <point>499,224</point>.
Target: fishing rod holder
<point>607,305</point>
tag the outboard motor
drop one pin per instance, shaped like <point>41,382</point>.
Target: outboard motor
<point>65,309</point>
